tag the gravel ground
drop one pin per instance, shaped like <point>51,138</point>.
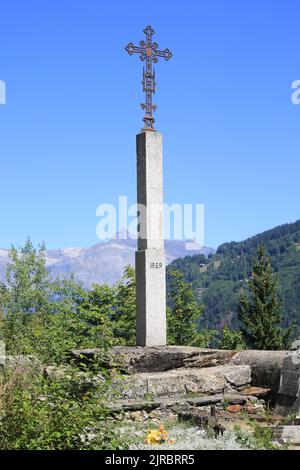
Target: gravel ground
<point>186,438</point>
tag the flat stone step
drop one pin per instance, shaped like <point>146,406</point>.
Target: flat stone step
<point>185,382</point>
<point>200,401</point>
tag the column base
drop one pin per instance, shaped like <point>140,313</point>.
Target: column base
<point>150,268</point>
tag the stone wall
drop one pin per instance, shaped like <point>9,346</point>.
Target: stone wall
<point>182,371</point>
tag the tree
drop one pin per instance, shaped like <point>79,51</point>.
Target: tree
<point>25,295</point>
<point>27,281</point>
<point>124,311</point>
<point>184,312</point>
<point>45,317</point>
<point>232,340</point>
<point>260,312</point>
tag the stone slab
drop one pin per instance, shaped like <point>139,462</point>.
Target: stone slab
<point>291,434</point>
<point>200,401</point>
<point>160,359</point>
<point>183,382</point>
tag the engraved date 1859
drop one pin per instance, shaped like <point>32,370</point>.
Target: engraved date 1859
<point>155,265</point>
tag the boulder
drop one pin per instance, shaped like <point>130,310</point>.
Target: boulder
<point>86,356</point>
<point>156,359</point>
<point>265,366</point>
<point>185,381</point>
<point>24,363</point>
<point>160,359</point>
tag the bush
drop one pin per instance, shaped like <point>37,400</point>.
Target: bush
<point>46,318</point>
<point>232,340</point>
<point>53,413</point>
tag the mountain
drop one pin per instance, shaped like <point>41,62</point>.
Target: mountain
<point>101,263</point>
<point>219,279</point>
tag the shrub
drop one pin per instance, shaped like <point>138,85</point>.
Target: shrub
<point>53,413</point>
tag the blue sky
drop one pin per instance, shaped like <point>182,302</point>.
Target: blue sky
<point>67,132</point>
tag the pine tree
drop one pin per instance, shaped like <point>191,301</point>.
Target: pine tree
<point>261,311</point>
<point>184,312</point>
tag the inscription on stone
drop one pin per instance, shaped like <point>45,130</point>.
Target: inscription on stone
<point>154,265</point>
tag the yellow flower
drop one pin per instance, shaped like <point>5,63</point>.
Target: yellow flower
<point>157,436</point>
<point>153,437</point>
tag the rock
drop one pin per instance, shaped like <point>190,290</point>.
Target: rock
<point>160,359</point>
<point>162,414</point>
<point>238,376</point>
<point>154,359</point>
<point>178,371</point>
<point>291,434</point>
<point>157,405</point>
<point>134,405</point>
<point>193,414</point>
<point>253,408</point>
<point>24,363</point>
<point>139,415</point>
<point>182,382</point>
<point>234,399</point>
<point>209,358</point>
<point>265,366</point>
<point>234,408</point>
<point>119,417</point>
<point>203,420</point>
<point>173,383</point>
<point>256,391</point>
<point>57,372</point>
<point>204,400</point>
<point>86,356</point>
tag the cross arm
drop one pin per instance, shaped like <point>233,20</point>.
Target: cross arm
<point>131,49</point>
<point>166,54</point>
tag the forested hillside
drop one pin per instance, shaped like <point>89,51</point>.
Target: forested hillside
<point>219,279</point>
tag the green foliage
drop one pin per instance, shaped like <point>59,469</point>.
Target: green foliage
<point>261,312</point>
<point>232,340</point>
<point>219,280</point>
<point>124,312</point>
<point>184,312</point>
<point>25,295</point>
<point>47,318</point>
<point>38,413</point>
<point>261,437</point>
<point>205,338</point>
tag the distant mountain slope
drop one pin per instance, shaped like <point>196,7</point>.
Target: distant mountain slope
<point>218,280</point>
<point>101,263</point>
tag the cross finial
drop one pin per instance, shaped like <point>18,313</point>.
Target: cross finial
<point>149,53</point>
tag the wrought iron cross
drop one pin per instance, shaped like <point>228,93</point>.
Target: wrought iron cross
<point>149,52</point>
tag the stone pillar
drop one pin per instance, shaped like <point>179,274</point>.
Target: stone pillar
<point>150,258</point>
